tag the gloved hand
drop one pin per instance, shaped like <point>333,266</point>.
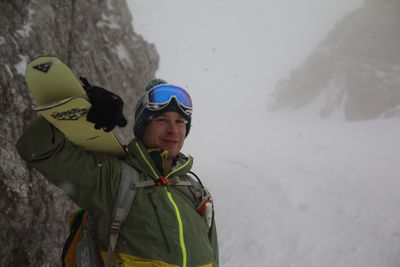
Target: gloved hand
<point>107,108</point>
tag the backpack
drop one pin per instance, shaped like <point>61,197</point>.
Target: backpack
<point>80,247</point>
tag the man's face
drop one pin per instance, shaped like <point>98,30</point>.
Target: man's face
<point>166,131</point>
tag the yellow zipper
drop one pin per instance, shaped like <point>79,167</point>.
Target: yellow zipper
<point>148,163</point>
<point>180,225</point>
<point>180,168</point>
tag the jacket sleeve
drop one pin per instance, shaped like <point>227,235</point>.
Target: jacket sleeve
<point>90,179</point>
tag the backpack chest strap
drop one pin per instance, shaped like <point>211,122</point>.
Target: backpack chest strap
<point>175,181</point>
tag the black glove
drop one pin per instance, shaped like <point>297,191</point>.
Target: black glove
<point>107,108</point>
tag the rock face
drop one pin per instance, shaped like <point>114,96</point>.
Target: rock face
<point>95,38</point>
<point>356,68</point>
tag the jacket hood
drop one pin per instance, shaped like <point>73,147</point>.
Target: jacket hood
<point>140,158</point>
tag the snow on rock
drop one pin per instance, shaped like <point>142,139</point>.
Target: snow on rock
<point>109,4</point>
<point>8,70</point>
<point>107,21</point>
<point>360,55</point>
<point>21,65</point>
<point>123,53</point>
<point>27,27</point>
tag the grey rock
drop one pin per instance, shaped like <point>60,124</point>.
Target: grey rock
<point>96,39</point>
<point>355,68</point>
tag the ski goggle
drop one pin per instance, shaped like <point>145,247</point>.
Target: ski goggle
<point>161,95</point>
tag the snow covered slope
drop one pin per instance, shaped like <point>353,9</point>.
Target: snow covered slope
<point>308,192</point>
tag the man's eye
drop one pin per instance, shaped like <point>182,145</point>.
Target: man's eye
<point>161,120</point>
<point>181,122</point>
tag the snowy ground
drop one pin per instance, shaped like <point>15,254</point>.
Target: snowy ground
<point>306,192</point>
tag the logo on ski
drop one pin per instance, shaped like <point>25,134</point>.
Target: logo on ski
<point>43,67</point>
<point>70,115</point>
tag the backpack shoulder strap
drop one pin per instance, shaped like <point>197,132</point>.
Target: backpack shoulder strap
<point>204,202</point>
<point>123,202</point>
<point>199,191</point>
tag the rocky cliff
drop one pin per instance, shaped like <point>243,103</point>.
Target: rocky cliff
<point>95,38</point>
<point>356,68</point>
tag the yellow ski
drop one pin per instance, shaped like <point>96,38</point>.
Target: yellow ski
<point>62,100</point>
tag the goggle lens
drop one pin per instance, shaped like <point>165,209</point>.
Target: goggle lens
<point>163,93</point>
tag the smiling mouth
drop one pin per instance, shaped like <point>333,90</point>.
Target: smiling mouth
<point>170,141</point>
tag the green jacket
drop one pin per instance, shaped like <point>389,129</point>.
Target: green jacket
<point>163,227</point>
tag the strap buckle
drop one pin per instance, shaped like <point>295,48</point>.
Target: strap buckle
<point>162,181</point>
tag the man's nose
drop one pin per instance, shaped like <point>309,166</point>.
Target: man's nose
<point>172,127</point>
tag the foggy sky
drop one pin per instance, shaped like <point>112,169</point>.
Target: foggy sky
<point>229,54</point>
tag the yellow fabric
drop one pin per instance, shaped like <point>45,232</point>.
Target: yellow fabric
<point>127,260</point>
<point>70,257</point>
<point>164,155</point>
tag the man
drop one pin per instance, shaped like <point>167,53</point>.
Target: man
<point>166,225</point>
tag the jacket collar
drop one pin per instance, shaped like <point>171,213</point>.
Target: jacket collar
<point>140,158</point>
